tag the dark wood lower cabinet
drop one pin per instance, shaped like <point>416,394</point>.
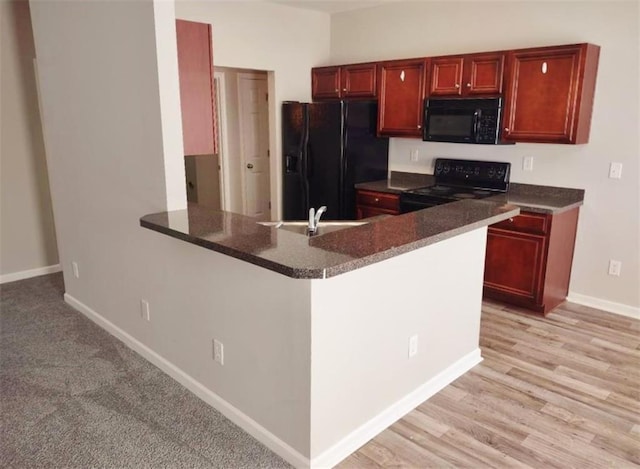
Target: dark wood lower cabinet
<point>371,204</point>
<point>528,259</point>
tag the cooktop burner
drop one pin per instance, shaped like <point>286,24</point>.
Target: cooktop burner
<point>458,180</point>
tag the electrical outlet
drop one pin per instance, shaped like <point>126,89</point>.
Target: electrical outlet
<point>527,163</point>
<point>76,271</point>
<point>615,170</point>
<point>413,345</point>
<point>144,310</point>
<point>414,155</point>
<point>218,351</point>
<point>615,267</point>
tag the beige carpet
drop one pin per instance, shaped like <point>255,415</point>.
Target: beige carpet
<point>73,396</point>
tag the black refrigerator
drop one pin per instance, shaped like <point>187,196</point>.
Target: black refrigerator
<point>327,149</point>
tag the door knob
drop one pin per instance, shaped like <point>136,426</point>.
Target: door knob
<point>250,166</point>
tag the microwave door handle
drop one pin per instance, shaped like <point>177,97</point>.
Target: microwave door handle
<point>476,121</point>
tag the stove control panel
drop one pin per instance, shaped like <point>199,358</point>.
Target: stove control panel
<point>478,174</point>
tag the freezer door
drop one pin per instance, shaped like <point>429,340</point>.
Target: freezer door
<point>366,157</point>
<point>295,205</point>
<point>325,156</point>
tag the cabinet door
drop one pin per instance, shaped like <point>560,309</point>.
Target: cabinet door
<point>446,76</point>
<point>401,87</point>
<point>325,83</point>
<point>195,70</point>
<point>358,81</point>
<point>550,94</point>
<point>514,266</point>
<point>483,74</point>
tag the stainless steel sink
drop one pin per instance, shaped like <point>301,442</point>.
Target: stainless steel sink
<point>301,227</point>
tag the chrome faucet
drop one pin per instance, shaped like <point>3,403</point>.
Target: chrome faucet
<point>314,218</point>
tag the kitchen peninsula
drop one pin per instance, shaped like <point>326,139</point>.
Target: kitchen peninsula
<point>529,257</point>
<point>345,331</point>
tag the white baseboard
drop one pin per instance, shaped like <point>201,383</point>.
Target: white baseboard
<point>380,422</point>
<point>605,305</point>
<point>245,422</point>
<point>50,269</point>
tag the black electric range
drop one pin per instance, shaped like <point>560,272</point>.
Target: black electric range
<point>458,180</point>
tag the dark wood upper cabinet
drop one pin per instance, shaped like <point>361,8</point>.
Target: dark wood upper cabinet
<point>549,98</point>
<point>483,74</point>
<point>347,81</point>
<point>195,69</point>
<point>358,81</point>
<point>401,92</point>
<point>325,83</point>
<point>467,75</point>
<point>446,76</point>
<point>548,91</point>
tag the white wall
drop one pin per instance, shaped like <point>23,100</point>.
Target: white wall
<point>27,233</point>
<point>361,325</point>
<point>109,80</point>
<point>263,36</point>
<point>609,220</point>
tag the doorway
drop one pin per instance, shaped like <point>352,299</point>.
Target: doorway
<point>242,164</point>
<point>253,118</point>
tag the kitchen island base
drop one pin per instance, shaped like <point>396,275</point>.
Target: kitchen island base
<point>314,368</point>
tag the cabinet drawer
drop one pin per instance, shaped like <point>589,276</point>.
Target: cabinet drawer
<point>526,222</point>
<point>379,199</point>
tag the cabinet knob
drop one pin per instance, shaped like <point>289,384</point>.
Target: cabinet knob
<point>457,85</point>
<point>468,85</point>
<point>344,89</point>
<point>377,200</point>
<point>510,220</point>
<point>419,126</point>
<point>337,90</point>
<point>249,166</point>
<point>506,129</point>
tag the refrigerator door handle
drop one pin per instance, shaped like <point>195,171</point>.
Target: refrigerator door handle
<point>304,158</point>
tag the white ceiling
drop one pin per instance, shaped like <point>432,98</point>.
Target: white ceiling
<point>330,6</point>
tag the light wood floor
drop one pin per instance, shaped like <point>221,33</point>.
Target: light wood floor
<point>560,391</point>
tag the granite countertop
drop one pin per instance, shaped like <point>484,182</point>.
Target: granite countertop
<point>300,256</point>
<point>529,197</point>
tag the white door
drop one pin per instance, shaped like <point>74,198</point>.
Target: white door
<point>254,143</point>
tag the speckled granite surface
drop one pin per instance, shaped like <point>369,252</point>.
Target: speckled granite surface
<point>529,197</point>
<point>542,199</point>
<point>299,256</point>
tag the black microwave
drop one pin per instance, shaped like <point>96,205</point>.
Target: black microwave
<point>462,120</point>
